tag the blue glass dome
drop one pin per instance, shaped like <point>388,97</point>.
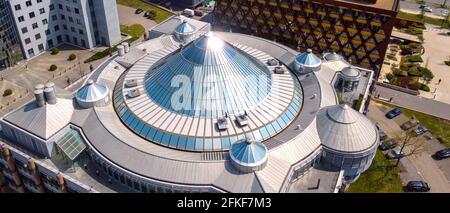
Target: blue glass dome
<point>308,59</point>
<point>185,28</point>
<point>248,155</point>
<point>92,92</point>
<point>183,95</point>
<point>225,81</point>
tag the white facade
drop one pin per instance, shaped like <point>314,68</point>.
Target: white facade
<point>44,24</point>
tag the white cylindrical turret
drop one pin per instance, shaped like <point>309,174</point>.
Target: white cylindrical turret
<point>121,50</point>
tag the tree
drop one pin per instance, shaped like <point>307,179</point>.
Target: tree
<point>444,4</point>
<point>408,140</point>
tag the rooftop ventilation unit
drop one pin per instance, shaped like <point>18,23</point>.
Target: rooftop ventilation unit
<point>40,99</point>
<point>134,93</point>
<point>49,93</point>
<point>131,83</point>
<point>272,62</point>
<point>242,119</point>
<point>279,70</point>
<point>121,50</point>
<point>222,123</point>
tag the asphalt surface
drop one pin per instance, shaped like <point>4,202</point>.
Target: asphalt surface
<point>414,6</point>
<point>416,103</point>
<point>419,164</point>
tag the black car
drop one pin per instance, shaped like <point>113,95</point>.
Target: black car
<point>417,186</point>
<point>139,11</point>
<point>394,113</point>
<point>388,145</point>
<point>442,154</point>
<point>382,135</point>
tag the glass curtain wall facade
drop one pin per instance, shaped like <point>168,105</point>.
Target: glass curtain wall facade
<point>10,51</point>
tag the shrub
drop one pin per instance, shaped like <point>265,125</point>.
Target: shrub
<point>424,87</point>
<point>447,63</point>
<point>414,59</point>
<point>448,33</point>
<point>390,76</point>
<point>7,92</point>
<point>414,85</point>
<point>72,57</point>
<point>54,51</point>
<point>414,73</point>
<point>53,67</point>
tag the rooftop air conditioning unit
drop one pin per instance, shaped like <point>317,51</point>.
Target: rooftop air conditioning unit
<point>272,62</point>
<point>279,70</point>
<point>131,83</point>
<point>222,123</point>
<point>242,119</point>
<point>134,93</point>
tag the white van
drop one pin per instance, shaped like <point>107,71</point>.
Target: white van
<point>188,12</point>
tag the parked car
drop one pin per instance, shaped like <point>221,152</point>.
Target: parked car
<point>198,13</point>
<point>395,154</point>
<point>409,124</point>
<point>442,154</point>
<point>139,11</point>
<point>382,135</point>
<point>417,186</point>
<point>426,8</point>
<point>388,145</point>
<point>420,130</point>
<point>149,12</point>
<point>394,113</point>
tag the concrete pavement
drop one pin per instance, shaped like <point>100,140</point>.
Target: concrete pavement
<point>416,103</point>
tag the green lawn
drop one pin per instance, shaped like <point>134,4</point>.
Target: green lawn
<point>438,126</point>
<point>135,30</point>
<point>415,17</point>
<point>161,15</point>
<point>381,177</point>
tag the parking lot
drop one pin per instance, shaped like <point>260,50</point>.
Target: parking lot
<point>418,163</point>
<point>128,17</point>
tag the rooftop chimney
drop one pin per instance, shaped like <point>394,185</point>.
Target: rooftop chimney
<point>39,94</point>
<point>49,93</point>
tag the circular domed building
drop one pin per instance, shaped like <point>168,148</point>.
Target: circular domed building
<point>213,115</point>
<point>349,139</point>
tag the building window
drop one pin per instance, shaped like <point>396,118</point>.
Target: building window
<point>56,28</point>
<point>35,25</point>
<point>27,40</point>
<point>45,21</point>
<point>21,19</point>
<point>50,43</point>
<point>63,17</point>
<point>77,11</point>
<point>70,19</point>
<point>24,30</point>
<point>64,27</point>
<point>31,52</point>
<point>41,47</point>
<point>28,3</point>
<point>37,36</point>
<point>47,32</point>
<point>41,11</point>
<point>32,15</point>
<point>17,7</point>
<point>39,1</point>
<point>72,29</point>
<point>59,38</point>
<point>60,6</point>
<point>68,9</point>
<point>52,7</point>
<point>54,18</point>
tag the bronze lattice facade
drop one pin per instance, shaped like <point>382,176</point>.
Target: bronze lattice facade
<point>358,31</point>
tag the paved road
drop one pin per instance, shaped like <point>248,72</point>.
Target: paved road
<point>418,165</point>
<point>415,7</point>
<point>417,103</point>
